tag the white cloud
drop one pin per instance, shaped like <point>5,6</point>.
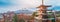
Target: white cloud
<point>53,2</point>
<point>31,3</point>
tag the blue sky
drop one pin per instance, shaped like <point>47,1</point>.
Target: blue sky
<point>13,5</point>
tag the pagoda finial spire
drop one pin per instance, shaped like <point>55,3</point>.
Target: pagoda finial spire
<point>42,2</point>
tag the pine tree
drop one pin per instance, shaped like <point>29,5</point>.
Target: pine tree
<point>15,18</point>
<point>33,15</point>
<point>22,20</point>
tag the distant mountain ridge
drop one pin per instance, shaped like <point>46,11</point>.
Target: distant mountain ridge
<point>24,11</point>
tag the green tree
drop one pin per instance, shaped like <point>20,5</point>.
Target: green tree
<point>21,20</point>
<point>33,15</point>
<point>50,15</point>
<point>15,18</point>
